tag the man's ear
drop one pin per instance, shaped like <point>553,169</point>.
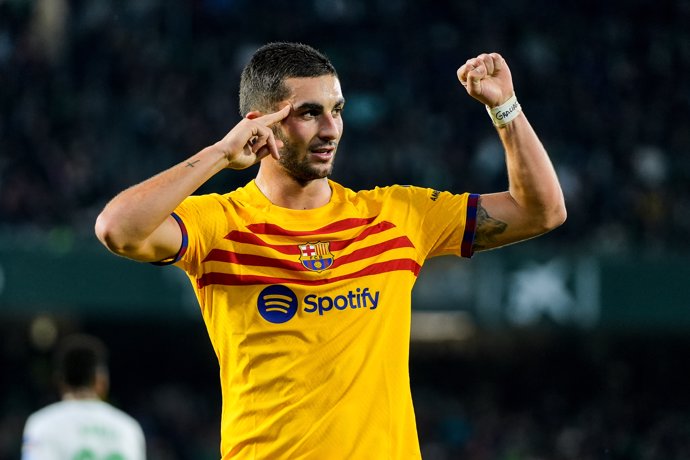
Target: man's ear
<point>102,383</point>
<point>253,114</point>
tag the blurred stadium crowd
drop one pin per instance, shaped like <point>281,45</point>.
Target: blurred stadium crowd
<point>97,95</point>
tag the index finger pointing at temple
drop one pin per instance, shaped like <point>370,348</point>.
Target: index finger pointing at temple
<point>273,118</point>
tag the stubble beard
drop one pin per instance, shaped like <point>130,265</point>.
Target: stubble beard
<point>301,169</point>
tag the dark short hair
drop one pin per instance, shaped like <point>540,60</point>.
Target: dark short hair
<point>77,360</point>
<point>262,84</point>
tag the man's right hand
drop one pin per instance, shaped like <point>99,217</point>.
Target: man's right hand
<point>252,139</point>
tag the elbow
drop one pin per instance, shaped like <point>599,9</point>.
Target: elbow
<point>555,216</point>
<point>547,216</point>
<point>110,235</point>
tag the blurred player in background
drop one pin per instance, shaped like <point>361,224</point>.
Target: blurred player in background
<point>305,285</point>
<point>82,426</point>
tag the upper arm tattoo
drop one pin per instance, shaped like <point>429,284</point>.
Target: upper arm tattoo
<point>487,229</point>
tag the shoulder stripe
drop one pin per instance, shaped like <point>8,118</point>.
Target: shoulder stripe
<point>183,246</point>
<point>470,226</point>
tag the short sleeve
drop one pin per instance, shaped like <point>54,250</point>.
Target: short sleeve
<point>183,247</point>
<point>439,223</point>
<point>204,219</point>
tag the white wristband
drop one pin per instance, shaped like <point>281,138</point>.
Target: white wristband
<point>506,112</point>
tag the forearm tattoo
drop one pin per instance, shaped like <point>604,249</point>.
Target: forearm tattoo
<point>487,229</point>
<point>190,164</point>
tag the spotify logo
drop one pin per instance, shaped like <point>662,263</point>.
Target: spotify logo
<point>277,304</point>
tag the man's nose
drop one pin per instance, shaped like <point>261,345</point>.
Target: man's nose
<point>330,127</point>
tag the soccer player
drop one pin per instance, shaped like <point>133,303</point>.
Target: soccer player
<point>82,425</point>
<point>305,285</point>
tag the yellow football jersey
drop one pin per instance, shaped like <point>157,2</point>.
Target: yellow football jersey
<point>309,314</point>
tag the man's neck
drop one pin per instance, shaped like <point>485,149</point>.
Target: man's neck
<point>80,394</point>
<point>286,192</point>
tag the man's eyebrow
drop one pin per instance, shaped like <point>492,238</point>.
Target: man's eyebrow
<point>317,106</point>
<point>309,106</point>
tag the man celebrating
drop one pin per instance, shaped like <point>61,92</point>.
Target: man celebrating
<point>305,285</point>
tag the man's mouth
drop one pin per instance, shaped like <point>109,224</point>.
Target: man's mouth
<point>323,153</point>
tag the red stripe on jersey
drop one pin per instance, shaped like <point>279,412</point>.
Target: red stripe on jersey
<point>374,250</point>
<point>345,224</point>
<point>228,279</point>
<point>218,255</point>
<point>291,249</point>
<point>250,238</point>
<point>373,230</point>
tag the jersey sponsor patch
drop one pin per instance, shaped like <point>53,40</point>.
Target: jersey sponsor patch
<point>317,256</point>
<point>359,298</point>
<point>278,304</point>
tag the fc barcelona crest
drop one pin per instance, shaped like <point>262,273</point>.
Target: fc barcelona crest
<point>316,257</point>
